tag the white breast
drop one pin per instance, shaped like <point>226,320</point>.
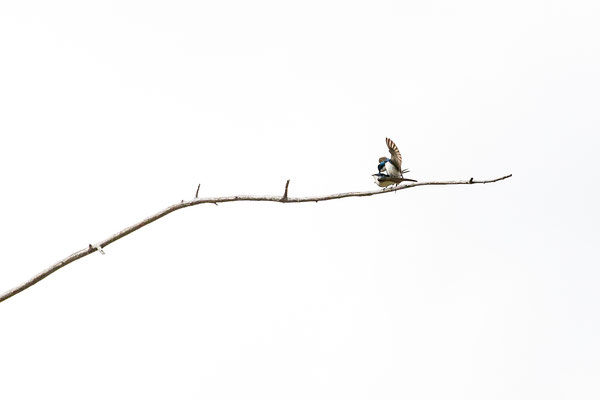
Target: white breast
<point>392,170</point>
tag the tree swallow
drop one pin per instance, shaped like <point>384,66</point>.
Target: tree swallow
<point>384,180</point>
<point>392,166</point>
<point>390,169</point>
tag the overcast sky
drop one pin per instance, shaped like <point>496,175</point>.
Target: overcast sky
<point>113,110</point>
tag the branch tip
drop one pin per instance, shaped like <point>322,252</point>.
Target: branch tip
<point>197,190</point>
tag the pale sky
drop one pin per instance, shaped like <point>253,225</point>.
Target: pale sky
<point>113,110</point>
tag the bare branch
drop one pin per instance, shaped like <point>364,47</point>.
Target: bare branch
<point>197,190</point>
<point>215,200</point>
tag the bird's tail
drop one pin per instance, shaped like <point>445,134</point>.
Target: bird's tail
<point>396,180</point>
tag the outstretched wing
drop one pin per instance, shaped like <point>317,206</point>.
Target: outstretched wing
<point>396,157</point>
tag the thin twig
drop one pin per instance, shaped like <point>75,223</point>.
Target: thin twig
<point>214,200</point>
<point>285,196</point>
<point>197,190</point>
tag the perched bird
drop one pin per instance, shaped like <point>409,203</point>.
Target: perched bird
<point>384,180</point>
<point>390,169</point>
<point>392,166</point>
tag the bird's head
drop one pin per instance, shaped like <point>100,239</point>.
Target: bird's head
<point>382,161</point>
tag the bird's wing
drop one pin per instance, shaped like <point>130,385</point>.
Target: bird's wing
<point>396,157</point>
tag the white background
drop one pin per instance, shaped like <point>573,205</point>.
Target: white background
<point>111,111</point>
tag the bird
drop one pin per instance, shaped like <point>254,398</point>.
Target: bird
<point>392,166</point>
<point>384,180</point>
<point>390,169</point>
